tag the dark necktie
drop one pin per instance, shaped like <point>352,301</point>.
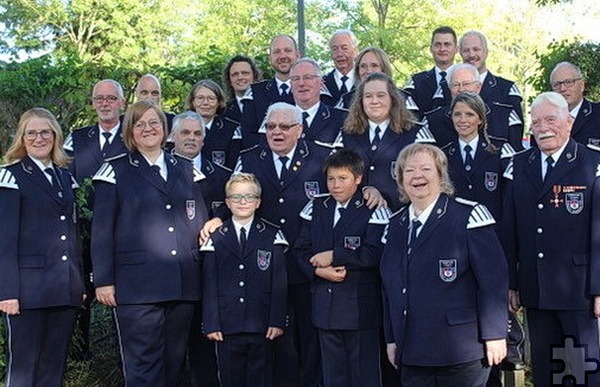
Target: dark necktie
<point>305,116</point>
<point>344,88</point>
<point>104,149</point>
<point>284,89</point>
<point>468,158</point>
<point>156,170</point>
<point>549,166</point>
<point>444,85</point>
<point>376,139</point>
<point>414,228</point>
<point>341,211</point>
<point>284,169</point>
<point>55,182</point>
<point>243,239</point>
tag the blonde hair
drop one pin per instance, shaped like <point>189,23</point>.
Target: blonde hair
<point>17,150</point>
<point>439,159</point>
<point>240,178</point>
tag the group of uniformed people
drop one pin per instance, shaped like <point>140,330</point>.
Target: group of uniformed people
<point>480,225</point>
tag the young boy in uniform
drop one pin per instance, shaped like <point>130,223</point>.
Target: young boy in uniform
<point>244,287</point>
<point>339,247</point>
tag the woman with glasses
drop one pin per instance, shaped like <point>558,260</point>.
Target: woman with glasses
<point>147,215</point>
<point>41,276</point>
<point>378,127</point>
<point>223,135</point>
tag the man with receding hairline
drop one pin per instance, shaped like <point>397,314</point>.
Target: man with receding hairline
<point>343,47</point>
<point>148,88</point>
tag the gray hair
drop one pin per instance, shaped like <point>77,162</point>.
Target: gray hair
<point>473,33</point>
<point>462,66</point>
<point>116,84</point>
<point>149,76</point>
<point>309,61</point>
<point>189,115</point>
<point>554,99</point>
<point>285,107</point>
<point>345,32</point>
<point>569,65</point>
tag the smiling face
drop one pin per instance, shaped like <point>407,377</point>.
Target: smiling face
<point>466,121</point>
<point>343,52</point>
<point>550,126</point>
<point>369,64</point>
<point>282,55</point>
<point>39,147</point>
<point>421,180</point>
<point>107,103</point>
<point>241,77</point>
<point>306,85</point>
<point>206,103</point>
<point>148,132</point>
<point>377,101</point>
<point>473,52</point>
<point>342,183</point>
<point>283,132</point>
<point>243,200</point>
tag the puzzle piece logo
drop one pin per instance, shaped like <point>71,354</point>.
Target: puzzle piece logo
<point>576,364</point>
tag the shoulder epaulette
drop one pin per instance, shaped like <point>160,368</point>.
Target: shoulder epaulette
<point>198,175</point>
<point>439,93</point>
<point>325,144</point>
<point>593,147</point>
<point>322,195</point>
<point>7,180</point>
<point>229,119</point>
<point>448,145</point>
<point>325,90</point>
<point>306,212</point>
<point>432,110</point>
<point>74,184</point>
<point>247,94</point>
<point>238,166</point>
<point>280,239</point>
<point>106,173</point>
<point>121,155</point>
<point>514,119</point>
<point>411,104</point>
<point>465,201</point>
<point>514,90</point>
<point>502,104</point>
<point>480,217</point>
<point>223,167</point>
<point>424,135</point>
<point>507,151</point>
<point>237,133</point>
<point>208,246</point>
<point>68,144</point>
<point>246,150</point>
<point>269,223</point>
<point>508,172</point>
<point>381,216</point>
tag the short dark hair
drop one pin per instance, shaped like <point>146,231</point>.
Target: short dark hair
<point>345,158</point>
<point>444,30</point>
<point>256,73</point>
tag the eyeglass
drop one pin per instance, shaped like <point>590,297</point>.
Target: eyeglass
<point>283,127</point>
<point>458,85</point>
<point>141,125</point>
<point>205,98</point>
<point>568,83</point>
<point>105,98</point>
<point>237,198</point>
<point>45,134</point>
<point>305,78</point>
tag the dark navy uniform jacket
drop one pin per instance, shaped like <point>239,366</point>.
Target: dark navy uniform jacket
<point>247,292</point>
<point>282,202</point>
<point>484,183</point>
<point>504,125</point>
<point>83,145</point>
<point>354,303</point>
<point>223,141</point>
<point>498,89</point>
<point>547,228</point>
<point>326,125</point>
<point>145,230</point>
<point>380,166</point>
<point>40,263</point>
<point>232,111</point>
<point>346,101</point>
<point>450,293</point>
<point>586,128</point>
<point>331,85</point>
<point>256,102</point>
<point>424,90</point>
